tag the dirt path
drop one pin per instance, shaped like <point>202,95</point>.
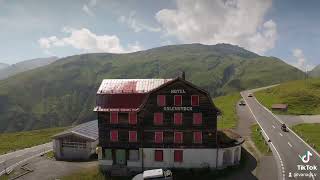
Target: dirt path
<point>291,120</point>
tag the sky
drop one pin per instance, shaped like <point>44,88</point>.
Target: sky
<point>287,29</point>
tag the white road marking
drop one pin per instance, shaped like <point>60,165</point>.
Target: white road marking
<point>267,137</point>
<point>289,144</point>
<point>280,134</point>
<point>19,155</point>
<point>273,126</point>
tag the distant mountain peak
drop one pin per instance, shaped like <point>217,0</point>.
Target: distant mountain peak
<point>10,70</point>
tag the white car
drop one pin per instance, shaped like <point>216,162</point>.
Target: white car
<point>157,174</point>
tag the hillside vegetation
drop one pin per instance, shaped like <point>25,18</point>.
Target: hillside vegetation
<point>302,97</point>
<point>227,105</point>
<point>315,72</point>
<point>10,70</point>
<point>63,92</point>
<point>310,133</point>
<point>20,140</point>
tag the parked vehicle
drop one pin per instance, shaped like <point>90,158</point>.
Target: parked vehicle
<point>242,103</point>
<point>154,174</point>
<point>284,128</point>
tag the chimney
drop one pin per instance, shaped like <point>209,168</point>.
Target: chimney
<point>183,75</point>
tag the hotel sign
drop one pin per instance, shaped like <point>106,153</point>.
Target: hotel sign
<point>177,108</point>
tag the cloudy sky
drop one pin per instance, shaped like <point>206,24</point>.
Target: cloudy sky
<point>288,29</point>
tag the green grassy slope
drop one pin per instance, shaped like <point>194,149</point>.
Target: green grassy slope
<point>302,97</point>
<point>310,133</point>
<point>24,139</point>
<point>64,92</point>
<point>227,104</point>
<point>315,72</point>
<point>258,139</point>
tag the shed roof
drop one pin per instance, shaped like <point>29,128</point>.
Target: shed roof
<point>124,86</point>
<point>279,106</point>
<point>88,130</point>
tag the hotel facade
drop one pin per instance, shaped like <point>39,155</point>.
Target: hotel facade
<point>159,123</point>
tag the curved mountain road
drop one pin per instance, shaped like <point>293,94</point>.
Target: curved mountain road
<point>287,147</point>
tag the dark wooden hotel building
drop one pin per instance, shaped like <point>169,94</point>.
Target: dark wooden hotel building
<point>158,123</point>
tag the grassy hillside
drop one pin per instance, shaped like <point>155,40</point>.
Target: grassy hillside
<point>20,140</point>
<point>63,92</point>
<point>310,133</point>
<point>302,97</point>
<point>227,104</point>
<point>315,72</point>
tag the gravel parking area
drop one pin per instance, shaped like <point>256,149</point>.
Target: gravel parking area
<point>50,169</point>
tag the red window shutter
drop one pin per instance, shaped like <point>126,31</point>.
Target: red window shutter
<point>178,137</point>
<point>194,100</point>
<point>197,137</point>
<point>177,118</point>
<point>132,136</point>
<point>158,155</point>
<point>177,100</point>
<point>158,137</point>
<point>178,155</point>
<point>114,118</point>
<point>161,100</point>
<point>132,118</point>
<point>197,118</point>
<point>158,118</point>
<point>114,135</point>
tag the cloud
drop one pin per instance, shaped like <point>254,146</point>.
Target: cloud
<point>239,22</point>
<point>84,39</point>
<point>300,60</point>
<point>88,6</point>
<point>86,9</point>
<point>135,24</point>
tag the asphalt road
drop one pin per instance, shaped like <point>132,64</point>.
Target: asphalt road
<point>11,160</point>
<point>286,146</point>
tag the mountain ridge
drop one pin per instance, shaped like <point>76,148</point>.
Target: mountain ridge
<point>315,72</point>
<point>63,92</point>
<point>25,65</point>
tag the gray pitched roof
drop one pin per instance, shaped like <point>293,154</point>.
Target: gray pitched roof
<point>87,130</point>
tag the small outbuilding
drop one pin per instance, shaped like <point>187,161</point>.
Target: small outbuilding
<point>279,107</point>
<point>77,143</point>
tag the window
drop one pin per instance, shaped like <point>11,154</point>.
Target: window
<point>194,100</point>
<point>197,137</point>
<point>108,154</point>
<point>178,137</point>
<point>197,118</point>
<point>161,100</point>
<point>178,155</point>
<point>132,118</point>
<point>114,135</point>
<point>114,118</point>
<point>158,155</point>
<point>133,155</point>
<point>158,137</point>
<point>177,100</point>
<point>177,118</point>
<point>132,136</point>
<point>158,118</point>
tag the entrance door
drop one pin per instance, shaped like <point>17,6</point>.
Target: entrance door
<point>121,157</point>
